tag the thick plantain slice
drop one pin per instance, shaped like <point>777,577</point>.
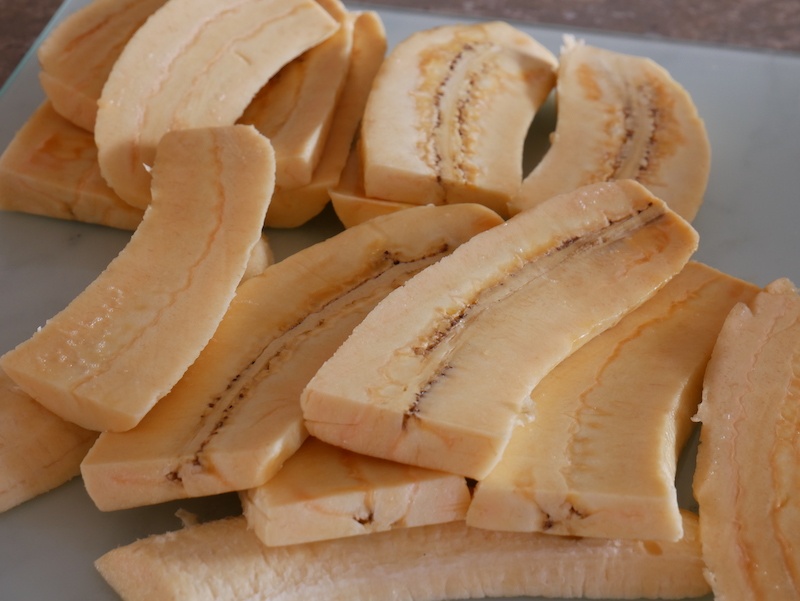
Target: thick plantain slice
<point>436,375</point>
<point>50,168</point>
<point>747,481</point>
<point>349,200</point>
<point>235,416</point>
<point>448,113</point>
<point>78,55</point>
<point>122,344</point>
<point>194,63</point>
<point>324,492</point>
<point>292,207</point>
<point>38,450</point>
<point>224,561</point>
<point>598,454</point>
<point>621,117</point>
<point>295,108</point>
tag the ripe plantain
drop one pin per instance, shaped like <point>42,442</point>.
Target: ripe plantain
<point>324,492</point>
<point>746,482</point>
<point>224,561</point>
<point>292,207</point>
<point>621,117</point>
<point>123,343</point>
<point>38,450</point>
<point>194,63</point>
<point>235,416</point>
<point>448,113</point>
<point>598,454</point>
<point>435,376</point>
<point>50,168</point>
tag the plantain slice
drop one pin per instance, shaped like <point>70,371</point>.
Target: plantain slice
<point>598,454</point>
<point>448,113</point>
<point>235,416</point>
<point>122,344</point>
<point>325,492</point>
<point>292,207</point>
<point>224,561</point>
<point>349,200</point>
<point>38,450</point>
<point>621,117</point>
<point>78,55</point>
<point>295,108</point>
<point>747,482</point>
<point>50,168</point>
<point>435,376</point>
<point>194,63</point>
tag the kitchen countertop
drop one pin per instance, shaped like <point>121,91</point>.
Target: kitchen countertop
<point>769,25</point>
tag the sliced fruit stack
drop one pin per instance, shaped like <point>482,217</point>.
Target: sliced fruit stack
<point>484,371</point>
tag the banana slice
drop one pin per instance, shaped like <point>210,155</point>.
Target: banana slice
<point>78,55</point>
<point>447,116</point>
<point>194,63</point>
<point>621,117</point>
<point>235,416</point>
<point>123,343</point>
<point>435,376</point>
<point>324,492</point>
<point>349,200</point>
<point>39,451</point>
<point>598,456</point>
<point>747,482</point>
<point>50,168</point>
<point>292,207</point>
<point>295,109</point>
<point>224,561</point>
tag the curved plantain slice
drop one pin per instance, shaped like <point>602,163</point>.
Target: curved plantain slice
<point>435,376</point>
<point>292,207</point>
<point>235,416</point>
<point>296,107</point>
<point>598,454</point>
<point>123,343</point>
<point>747,481</point>
<point>621,117</point>
<point>224,561</point>
<point>194,63</point>
<point>351,204</point>
<point>50,168</point>
<point>38,450</point>
<point>448,113</point>
<point>325,492</point>
<point>78,55</point>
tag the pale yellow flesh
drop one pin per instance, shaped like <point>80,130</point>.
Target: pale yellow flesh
<point>195,63</point>
<point>448,113</point>
<point>597,456</point>
<point>621,117</point>
<point>295,109</point>
<point>235,416</point>
<point>77,56</point>
<point>747,482</point>
<point>350,201</point>
<point>50,168</point>
<point>292,207</point>
<point>223,560</point>
<point>437,373</point>
<point>38,450</point>
<point>325,492</point>
<point>123,343</point>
